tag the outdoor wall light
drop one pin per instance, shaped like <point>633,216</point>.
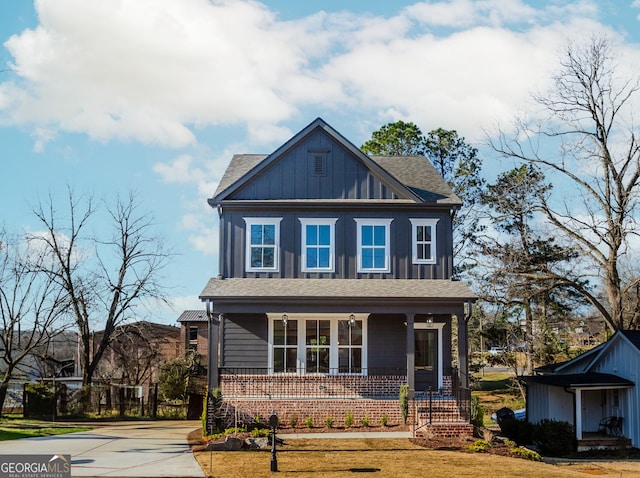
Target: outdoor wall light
<point>430,319</point>
<point>285,320</point>
<point>352,320</point>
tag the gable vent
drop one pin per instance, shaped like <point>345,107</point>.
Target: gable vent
<point>319,167</point>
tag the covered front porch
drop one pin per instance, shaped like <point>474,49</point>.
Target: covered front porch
<point>336,344</point>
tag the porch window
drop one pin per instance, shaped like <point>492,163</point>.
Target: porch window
<point>263,242</point>
<point>318,244</point>
<point>318,345</point>
<point>424,240</point>
<point>373,236</point>
<point>350,346</point>
<point>285,346</point>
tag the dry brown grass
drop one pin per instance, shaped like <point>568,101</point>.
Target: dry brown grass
<point>398,458</point>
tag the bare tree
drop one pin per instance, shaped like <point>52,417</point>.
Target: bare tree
<point>108,276</point>
<point>589,146</point>
<point>32,307</point>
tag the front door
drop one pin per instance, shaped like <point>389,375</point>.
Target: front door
<point>426,359</point>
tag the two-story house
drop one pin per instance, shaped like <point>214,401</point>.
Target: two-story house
<point>334,284</point>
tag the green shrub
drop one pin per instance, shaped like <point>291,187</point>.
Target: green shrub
<point>234,430</point>
<point>309,422</point>
<point>384,419</point>
<point>479,446</point>
<point>348,419</point>
<point>293,420</point>
<point>553,437</point>
<point>404,402</point>
<point>216,395</point>
<point>521,452</point>
<point>477,412</point>
<point>365,421</point>
<point>328,422</point>
<point>40,399</point>
<point>260,432</point>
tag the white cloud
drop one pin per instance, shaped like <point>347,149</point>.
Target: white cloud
<point>154,71</point>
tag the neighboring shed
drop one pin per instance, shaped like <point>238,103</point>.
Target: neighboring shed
<point>592,390</point>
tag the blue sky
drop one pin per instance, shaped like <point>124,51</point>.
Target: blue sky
<point>155,96</point>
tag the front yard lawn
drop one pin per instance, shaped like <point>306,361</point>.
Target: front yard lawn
<point>397,458</point>
<point>15,428</point>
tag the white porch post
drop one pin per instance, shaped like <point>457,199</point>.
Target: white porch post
<point>411,355</point>
<point>579,414</point>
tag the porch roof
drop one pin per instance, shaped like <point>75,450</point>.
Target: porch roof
<point>241,288</point>
<point>580,380</point>
<point>355,294</point>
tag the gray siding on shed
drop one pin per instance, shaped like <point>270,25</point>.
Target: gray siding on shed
<point>234,243</point>
<point>245,341</point>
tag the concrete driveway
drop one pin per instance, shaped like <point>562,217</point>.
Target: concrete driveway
<point>123,449</point>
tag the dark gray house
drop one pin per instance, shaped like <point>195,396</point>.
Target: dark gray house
<point>335,282</point>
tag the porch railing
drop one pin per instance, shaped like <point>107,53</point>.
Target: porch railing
<point>432,407</point>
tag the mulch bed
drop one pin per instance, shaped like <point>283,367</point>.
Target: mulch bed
<point>198,443</point>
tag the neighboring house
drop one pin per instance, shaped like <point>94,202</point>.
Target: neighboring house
<point>592,391</point>
<point>136,353</point>
<point>334,284</point>
<point>194,343</point>
<point>194,330</point>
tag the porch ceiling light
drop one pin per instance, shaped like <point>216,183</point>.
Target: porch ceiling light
<point>285,320</point>
<point>352,320</point>
<point>430,319</point>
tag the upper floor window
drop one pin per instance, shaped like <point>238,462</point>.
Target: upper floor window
<point>423,240</point>
<point>373,238</point>
<point>263,243</point>
<point>318,244</point>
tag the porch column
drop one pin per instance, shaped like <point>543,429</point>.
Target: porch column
<point>212,351</point>
<point>578,414</point>
<point>411,355</point>
<point>463,350</point>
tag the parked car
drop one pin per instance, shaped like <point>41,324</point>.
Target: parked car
<point>496,350</point>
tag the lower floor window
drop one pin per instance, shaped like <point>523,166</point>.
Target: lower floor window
<point>309,345</point>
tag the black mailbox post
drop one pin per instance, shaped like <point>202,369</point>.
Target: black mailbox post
<point>273,423</point>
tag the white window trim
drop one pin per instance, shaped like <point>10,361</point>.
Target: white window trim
<point>250,221</point>
<point>310,221</point>
<point>387,239</point>
<point>437,326</point>
<point>333,349</point>
<point>414,243</point>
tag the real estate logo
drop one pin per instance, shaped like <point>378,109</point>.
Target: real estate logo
<point>35,466</point>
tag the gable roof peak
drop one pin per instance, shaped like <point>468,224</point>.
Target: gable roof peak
<point>411,177</point>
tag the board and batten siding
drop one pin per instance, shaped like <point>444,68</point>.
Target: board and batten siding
<point>245,339</point>
<point>623,359</point>
<point>545,401</point>
<point>296,175</point>
<point>346,247</point>
<point>387,340</point>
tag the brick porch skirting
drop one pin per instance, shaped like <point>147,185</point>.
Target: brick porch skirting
<point>297,414</point>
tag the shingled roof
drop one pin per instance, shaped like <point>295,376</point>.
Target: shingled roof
<point>415,173</point>
<point>269,288</point>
